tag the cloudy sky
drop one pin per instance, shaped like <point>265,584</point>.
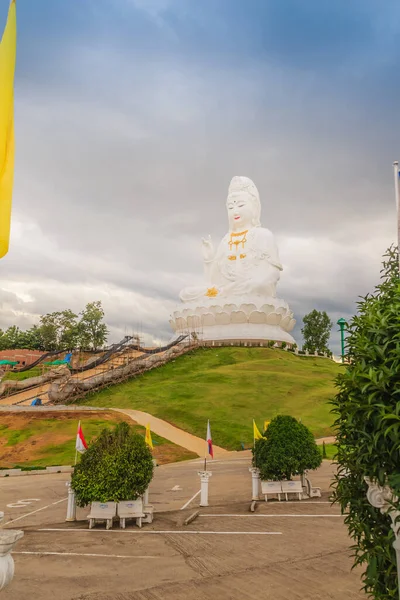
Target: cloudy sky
<point>133,115</point>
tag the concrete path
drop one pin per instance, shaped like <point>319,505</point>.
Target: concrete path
<point>171,433</point>
<point>328,440</point>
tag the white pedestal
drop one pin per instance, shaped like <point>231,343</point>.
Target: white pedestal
<point>204,477</point>
<point>71,506</point>
<point>146,497</point>
<point>255,481</point>
<point>8,537</point>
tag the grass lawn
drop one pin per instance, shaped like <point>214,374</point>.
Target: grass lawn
<point>42,440</point>
<point>231,386</point>
<point>35,372</point>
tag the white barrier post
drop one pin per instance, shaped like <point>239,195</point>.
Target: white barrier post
<point>71,506</point>
<point>204,477</point>
<point>255,480</point>
<point>146,497</point>
<point>8,537</point>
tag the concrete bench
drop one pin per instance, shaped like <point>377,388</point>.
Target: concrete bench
<point>271,488</point>
<point>292,487</point>
<point>148,510</point>
<point>102,511</point>
<point>131,509</point>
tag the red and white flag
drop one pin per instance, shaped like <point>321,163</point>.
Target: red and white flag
<point>80,444</point>
<point>209,440</point>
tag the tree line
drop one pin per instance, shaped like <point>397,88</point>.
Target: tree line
<point>60,330</point>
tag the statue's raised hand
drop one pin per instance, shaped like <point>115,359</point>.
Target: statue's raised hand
<point>207,249</point>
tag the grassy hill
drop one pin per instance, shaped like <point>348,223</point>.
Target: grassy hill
<point>231,386</point>
<point>45,439</point>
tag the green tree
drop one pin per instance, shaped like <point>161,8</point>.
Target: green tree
<point>59,330</point>
<point>367,408</point>
<point>12,338</point>
<point>117,466</point>
<point>34,339</point>
<point>288,448</point>
<point>93,331</point>
<point>316,331</point>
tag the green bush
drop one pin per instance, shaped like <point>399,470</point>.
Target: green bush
<point>287,449</point>
<point>117,466</point>
<point>367,407</point>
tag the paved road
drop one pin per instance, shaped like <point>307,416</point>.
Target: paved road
<point>296,550</point>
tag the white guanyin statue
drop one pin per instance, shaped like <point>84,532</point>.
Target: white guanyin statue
<point>238,299</point>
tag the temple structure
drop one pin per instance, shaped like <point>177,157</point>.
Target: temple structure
<point>238,301</point>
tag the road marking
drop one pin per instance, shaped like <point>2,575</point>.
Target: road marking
<point>169,532</point>
<point>33,512</point>
<point>191,500</point>
<point>176,488</point>
<point>22,503</point>
<point>276,516</point>
<point>81,554</point>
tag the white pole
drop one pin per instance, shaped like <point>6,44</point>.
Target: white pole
<point>255,480</point>
<point>71,506</point>
<point>396,190</point>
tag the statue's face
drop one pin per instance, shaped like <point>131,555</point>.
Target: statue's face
<point>240,211</point>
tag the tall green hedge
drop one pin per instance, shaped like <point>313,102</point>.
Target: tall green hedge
<point>367,408</point>
<point>288,448</point>
<point>117,466</point>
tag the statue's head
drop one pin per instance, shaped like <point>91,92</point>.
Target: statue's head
<point>243,204</point>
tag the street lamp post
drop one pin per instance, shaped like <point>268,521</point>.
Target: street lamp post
<point>342,322</point>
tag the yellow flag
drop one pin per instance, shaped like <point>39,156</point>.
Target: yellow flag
<point>8,50</point>
<point>147,438</point>
<point>256,434</point>
<point>266,423</point>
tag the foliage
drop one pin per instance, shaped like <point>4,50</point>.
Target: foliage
<point>367,407</point>
<point>117,466</point>
<point>316,331</point>
<point>226,385</point>
<point>287,449</point>
<point>93,332</point>
<point>324,450</point>
<point>60,330</point>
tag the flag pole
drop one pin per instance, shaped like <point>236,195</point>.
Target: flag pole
<point>76,449</point>
<point>205,452</point>
<point>396,189</point>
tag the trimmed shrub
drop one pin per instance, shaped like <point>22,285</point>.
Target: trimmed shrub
<point>117,466</point>
<point>367,407</point>
<point>287,449</point>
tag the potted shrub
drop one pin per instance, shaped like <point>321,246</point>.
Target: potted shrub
<point>116,467</point>
<point>287,449</point>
